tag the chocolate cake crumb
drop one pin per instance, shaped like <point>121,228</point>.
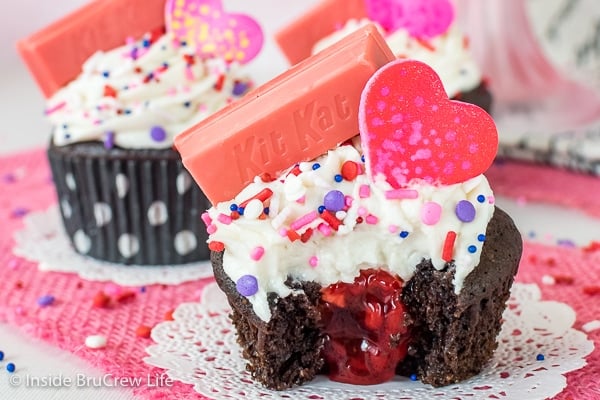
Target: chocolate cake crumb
<point>454,336</point>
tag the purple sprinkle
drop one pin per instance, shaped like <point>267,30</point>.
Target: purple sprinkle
<point>239,88</point>
<point>109,140</point>
<point>19,212</point>
<point>465,211</point>
<point>157,133</point>
<point>566,243</point>
<point>45,300</point>
<point>334,200</point>
<point>247,285</point>
<point>9,178</point>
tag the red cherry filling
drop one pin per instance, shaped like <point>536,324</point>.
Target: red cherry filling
<point>365,328</point>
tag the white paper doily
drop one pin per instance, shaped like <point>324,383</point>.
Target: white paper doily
<point>44,241</point>
<point>199,348</point>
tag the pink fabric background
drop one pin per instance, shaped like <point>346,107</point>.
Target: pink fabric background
<point>25,184</point>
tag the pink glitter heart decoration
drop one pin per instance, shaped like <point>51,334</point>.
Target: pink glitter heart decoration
<point>423,19</point>
<point>409,128</point>
<point>204,25</point>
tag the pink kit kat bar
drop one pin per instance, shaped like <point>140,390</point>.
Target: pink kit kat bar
<point>297,39</point>
<point>296,117</point>
<point>54,55</point>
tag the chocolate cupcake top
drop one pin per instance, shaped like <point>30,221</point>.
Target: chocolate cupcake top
<point>142,94</point>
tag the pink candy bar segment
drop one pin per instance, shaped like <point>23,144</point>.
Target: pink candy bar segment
<point>297,39</point>
<point>55,54</point>
<point>296,117</point>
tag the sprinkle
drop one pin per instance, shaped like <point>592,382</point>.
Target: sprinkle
<point>401,194</point>
<point>187,104</point>
<point>324,229</point>
<point>591,326</point>
<point>266,210</point>
<point>169,315</point>
<point>282,232</point>
<point>281,217</point>
<point>257,253</point>
<point>431,213</point>
<point>338,178</point>
<point>292,235</point>
<point>112,289</point>
<point>548,280</point>
<point>371,219</point>
<point>189,74</point>
<point>10,367</point>
<point>45,300</point>
<point>331,220</point>
<point>55,108</point>
<point>334,200</point>
<point>19,212</point>
<point>241,210</point>
<point>481,237</point>
<point>540,357</point>
<point>313,261</point>
<point>224,219</point>
<point>305,237</point>
<point>481,198</point>
<point>106,74</point>
<point>316,166</point>
<point>109,91</point>
<point>321,209</point>
<point>465,211</point>
<point>207,219</point>
<point>216,246</point>
<point>143,331</point>
<point>125,297</point>
<point>340,214</point>
<point>210,229</point>
<point>143,289</point>
<point>263,195</point>
<point>472,249</point>
<point>100,300</point>
<point>304,220</point>
<point>349,170</point>
<point>448,246</point>
<point>239,88</point>
<point>564,279</point>
<point>253,209</point>
<point>219,84</point>
<point>1,355</point>
<point>491,199</point>
<point>404,234</point>
<point>95,341</point>
<point>247,285</point>
<point>109,140</point>
<point>413,377</point>
<point>12,264</point>
<point>392,228</point>
<point>364,191</point>
<point>591,290</point>
<point>348,200</point>
<point>157,133</point>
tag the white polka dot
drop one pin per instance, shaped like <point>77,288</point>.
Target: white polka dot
<point>128,245</point>
<point>122,184</point>
<point>102,213</point>
<point>183,182</point>
<point>70,180</point>
<point>185,242</point>
<point>66,208</point>
<point>157,213</point>
<point>82,242</point>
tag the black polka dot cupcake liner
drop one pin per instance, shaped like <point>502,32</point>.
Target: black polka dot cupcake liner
<point>129,206</point>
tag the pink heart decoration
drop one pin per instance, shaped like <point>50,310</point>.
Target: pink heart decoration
<point>423,19</point>
<point>409,128</point>
<point>212,31</point>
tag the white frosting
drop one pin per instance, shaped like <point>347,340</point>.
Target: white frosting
<point>377,241</point>
<point>155,85</point>
<point>447,54</point>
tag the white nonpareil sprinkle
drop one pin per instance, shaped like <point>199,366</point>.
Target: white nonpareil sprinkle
<point>591,326</point>
<point>95,341</point>
<point>548,280</point>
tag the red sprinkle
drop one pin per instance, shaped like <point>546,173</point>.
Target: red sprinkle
<point>292,235</point>
<point>266,177</point>
<point>449,246</point>
<point>426,44</point>
<point>216,246</point>
<point>169,315</point>
<point>220,82</point>
<point>189,59</point>
<point>563,279</point>
<point>101,300</point>
<point>591,290</point>
<point>305,237</point>
<point>263,195</point>
<point>592,247</point>
<point>143,331</point>
<point>331,220</point>
<point>110,91</point>
<point>125,296</point>
<point>349,170</point>
<point>295,171</point>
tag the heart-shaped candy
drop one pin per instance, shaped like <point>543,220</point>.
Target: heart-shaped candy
<point>423,19</point>
<point>409,128</point>
<point>204,25</point>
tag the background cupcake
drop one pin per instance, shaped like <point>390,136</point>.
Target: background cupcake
<point>123,193</point>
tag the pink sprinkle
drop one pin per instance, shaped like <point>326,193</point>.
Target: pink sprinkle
<point>283,232</point>
<point>19,310</point>
<point>324,229</point>
<point>401,194</point>
<point>210,229</point>
<point>301,200</point>
<point>206,218</point>
<point>224,219</point>
<point>304,220</point>
<point>12,264</point>
<point>56,107</point>
<point>130,40</point>
<point>112,289</point>
<point>393,228</point>
<point>171,92</point>
<point>364,191</point>
<point>313,261</point>
<point>348,201</point>
<point>431,213</point>
<point>362,211</point>
<point>257,253</point>
<point>371,219</point>
<point>189,74</point>
<point>491,199</point>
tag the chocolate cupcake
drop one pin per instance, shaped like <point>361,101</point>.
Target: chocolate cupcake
<point>124,194</point>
